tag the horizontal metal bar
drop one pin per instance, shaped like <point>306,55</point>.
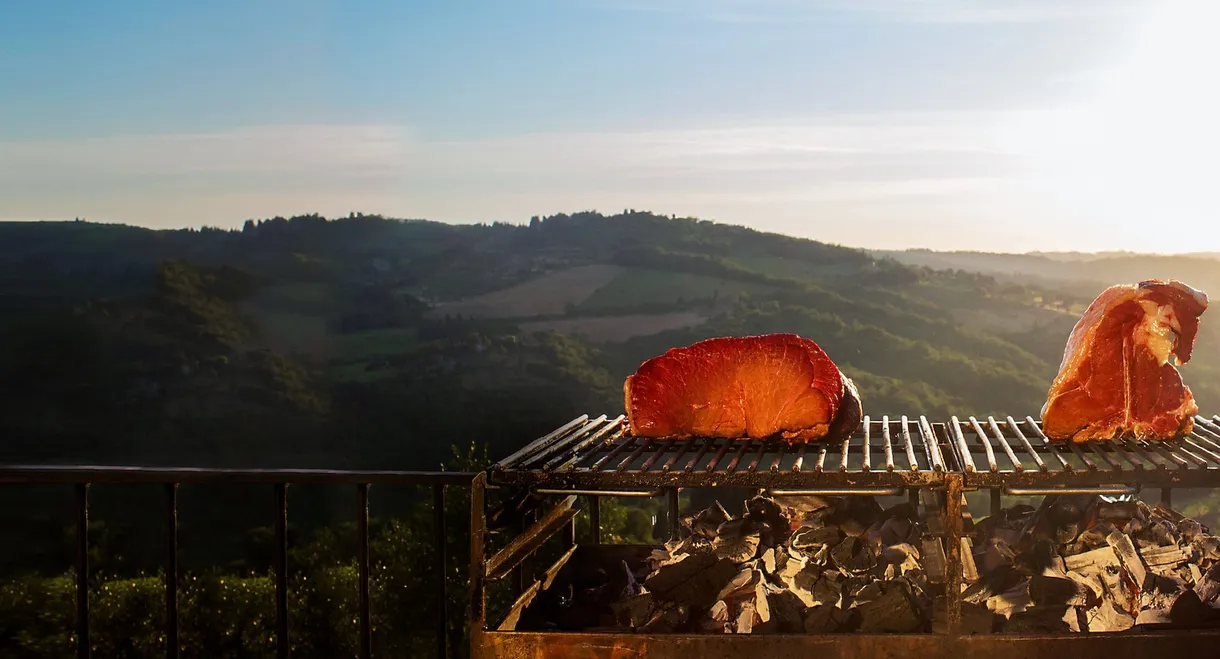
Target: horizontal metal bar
<point>839,492</point>
<point>599,493</point>
<point>1036,491</point>
<point>35,474</point>
<point>499,565</point>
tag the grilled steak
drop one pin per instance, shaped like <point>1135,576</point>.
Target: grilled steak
<point>1118,377</point>
<point>756,387</point>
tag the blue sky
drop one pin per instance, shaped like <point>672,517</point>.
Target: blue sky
<point>887,123</point>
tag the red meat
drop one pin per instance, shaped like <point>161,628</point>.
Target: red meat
<point>1118,377</point>
<point>756,387</point>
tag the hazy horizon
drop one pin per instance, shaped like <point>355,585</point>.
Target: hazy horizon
<point>883,124</point>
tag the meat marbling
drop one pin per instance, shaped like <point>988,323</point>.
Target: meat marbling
<point>755,387</point>
<point>1117,377</point>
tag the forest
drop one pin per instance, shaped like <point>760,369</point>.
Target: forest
<point>372,343</point>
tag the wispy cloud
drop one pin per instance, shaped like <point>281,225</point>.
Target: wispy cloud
<point>857,179</point>
<point>922,11</point>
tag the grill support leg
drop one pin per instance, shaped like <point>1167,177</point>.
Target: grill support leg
<point>362,525</point>
<point>82,570</point>
<point>478,567</point>
<point>281,571</point>
<point>438,538</point>
<point>171,571</point>
<point>996,503</point>
<point>671,501</point>
<point>953,552</point>
<point>1167,497</point>
<point>595,520</point>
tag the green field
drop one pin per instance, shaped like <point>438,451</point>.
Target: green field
<point>641,287</point>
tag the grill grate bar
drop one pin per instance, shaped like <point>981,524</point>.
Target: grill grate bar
<point>570,457</point>
<point>843,458</point>
<point>1025,441</point>
<point>800,458</point>
<point>867,448</point>
<point>724,447</point>
<point>657,454</point>
<point>1131,457</point>
<point>931,445</point>
<point>562,444</point>
<point>1163,449</point>
<point>1146,454</point>
<point>690,466</point>
<point>1012,455</point>
<point>635,455</point>
<point>543,441</point>
<point>1215,457</point>
<point>1209,429</point>
<point>1192,455</point>
<point>779,457</point>
<point>737,456</point>
<point>962,446</point>
<point>1088,462</point>
<point>906,438</point>
<point>613,454</point>
<point>821,459</point>
<point>762,446</point>
<point>690,441</point>
<point>1097,449</point>
<point>889,448</point>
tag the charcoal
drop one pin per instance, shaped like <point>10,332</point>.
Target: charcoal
<point>768,561</point>
<point>905,556</point>
<point>1208,587</point>
<point>996,553</point>
<point>896,530</point>
<point>807,538</point>
<point>1158,533</point>
<point>825,591</point>
<point>1108,618</point>
<point>1189,609</point>
<point>855,515</point>
<point>635,611</point>
<point>853,556</point>
<point>806,505</point>
<point>1095,537</point>
<point>1208,546</point>
<point>674,574</point>
<point>1011,601</point>
<point>707,522</point>
<point>741,584</point>
<point>863,593</point>
<point>786,609</point>
<point>1153,617</point>
<point>824,619</point>
<point>1039,619</point>
<point>736,540</point>
<point>1189,529</point>
<point>717,618</point>
<point>745,618</point>
<point>975,620</point>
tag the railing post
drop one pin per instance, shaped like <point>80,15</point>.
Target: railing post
<point>171,571</point>
<point>281,571</point>
<point>362,529</point>
<point>438,538</point>
<point>478,600</point>
<point>595,520</point>
<point>82,570</point>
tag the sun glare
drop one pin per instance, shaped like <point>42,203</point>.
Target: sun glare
<point>1141,148</point>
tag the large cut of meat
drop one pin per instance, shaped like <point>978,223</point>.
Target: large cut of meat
<point>1118,377</point>
<point>757,387</point>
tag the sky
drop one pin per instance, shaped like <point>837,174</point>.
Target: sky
<point>1001,125</point>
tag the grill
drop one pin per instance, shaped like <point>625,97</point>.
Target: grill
<point>933,461</point>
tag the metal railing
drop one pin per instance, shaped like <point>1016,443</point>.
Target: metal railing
<point>81,477</point>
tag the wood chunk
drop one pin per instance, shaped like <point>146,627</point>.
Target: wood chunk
<point>786,609</point>
<point>824,619</point>
<point>1153,617</point>
<point>672,575</point>
<point>895,530</point>
<point>736,540</point>
<point>1108,618</point>
<point>1040,619</point>
<point>893,611</point>
<point>1208,588</point>
<point>1097,559</point>
<point>1208,546</point>
<point>807,537</point>
<point>1010,602</point>
<point>635,611</point>
<point>996,553</point>
<point>1056,591</point>
<point>700,591</point>
<point>1189,529</point>
<point>1121,511</point>
<point>1157,556</point>
<point>970,572</point>
<point>768,561</point>
<point>742,584</point>
<point>853,555</point>
<point>706,523</point>
<point>903,555</point>
<point>1161,510</point>
<point>1189,609</point>
<point>1129,558</point>
<point>745,618</point>
<point>934,562</point>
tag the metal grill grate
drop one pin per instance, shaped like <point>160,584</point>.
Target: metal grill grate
<point>1015,452</point>
<point>598,453</point>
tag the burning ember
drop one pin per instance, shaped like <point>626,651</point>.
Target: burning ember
<point>788,565</point>
<point>1081,563</point>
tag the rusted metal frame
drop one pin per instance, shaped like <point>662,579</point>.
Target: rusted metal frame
<point>997,505</point>
<point>477,610</point>
<point>519,605</point>
<point>523,573</point>
<point>569,457</point>
<point>541,442</point>
<point>282,640</point>
<point>627,494</point>
<point>1167,497</point>
<point>82,571</point>
<point>839,492</point>
<point>171,571</point>
<point>503,561</point>
<point>954,451</point>
<point>556,449</point>
<point>551,572</point>
<point>105,475</point>
<point>601,481</point>
<point>671,509</point>
<point>439,535</point>
<point>963,449</point>
<point>560,645</point>
<point>1049,491</point>
<point>954,482</point>
<point>362,558</point>
<point>595,520</point>
<point>1148,478</point>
